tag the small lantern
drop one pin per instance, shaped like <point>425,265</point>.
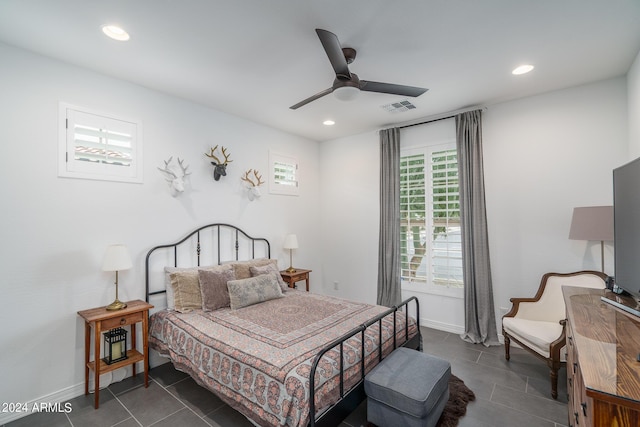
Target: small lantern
<point>115,345</point>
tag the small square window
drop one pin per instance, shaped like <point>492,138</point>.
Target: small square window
<point>98,146</point>
<point>283,176</point>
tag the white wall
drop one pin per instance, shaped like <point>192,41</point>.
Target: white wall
<point>543,156</point>
<point>54,230</point>
<point>633,103</point>
<point>350,216</point>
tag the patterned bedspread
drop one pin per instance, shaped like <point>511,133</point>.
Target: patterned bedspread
<point>258,358</point>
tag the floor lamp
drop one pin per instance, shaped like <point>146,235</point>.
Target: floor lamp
<point>593,223</point>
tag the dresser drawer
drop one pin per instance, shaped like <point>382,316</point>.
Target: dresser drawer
<point>116,322</point>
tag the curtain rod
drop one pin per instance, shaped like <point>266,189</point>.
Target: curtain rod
<point>425,122</point>
<point>451,115</point>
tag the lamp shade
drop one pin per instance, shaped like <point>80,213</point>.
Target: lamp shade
<point>592,223</point>
<point>291,241</point>
<point>116,258</point>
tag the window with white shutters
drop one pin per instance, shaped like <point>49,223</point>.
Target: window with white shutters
<point>283,177</point>
<point>431,245</point>
<point>99,146</point>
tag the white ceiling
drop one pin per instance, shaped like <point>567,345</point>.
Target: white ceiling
<point>255,58</point>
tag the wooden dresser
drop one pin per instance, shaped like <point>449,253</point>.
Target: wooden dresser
<point>603,373</point>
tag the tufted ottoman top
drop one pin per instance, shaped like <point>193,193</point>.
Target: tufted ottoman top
<point>409,381</point>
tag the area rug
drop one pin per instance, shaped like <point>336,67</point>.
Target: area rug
<point>459,397</point>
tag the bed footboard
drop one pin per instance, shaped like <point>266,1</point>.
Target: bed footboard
<point>350,399</point>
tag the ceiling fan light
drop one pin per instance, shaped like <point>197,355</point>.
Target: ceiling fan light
<point>346,93</point>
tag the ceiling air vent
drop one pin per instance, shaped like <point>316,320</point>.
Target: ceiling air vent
<point>399,107</point>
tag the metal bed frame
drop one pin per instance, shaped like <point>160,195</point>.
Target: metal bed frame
<point>217,228</point>
<point>349,399</point>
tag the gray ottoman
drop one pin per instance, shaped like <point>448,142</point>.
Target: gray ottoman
<point>408,388</point>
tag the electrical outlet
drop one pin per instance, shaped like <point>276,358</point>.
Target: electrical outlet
<point>335,286</point>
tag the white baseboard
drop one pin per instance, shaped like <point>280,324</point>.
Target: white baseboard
<point>57,397</point>
<point>447,327</point>
<point>454,329</point>
<point>61,396</point>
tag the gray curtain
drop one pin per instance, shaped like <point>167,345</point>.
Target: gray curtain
<point>480,320</point>
<point>389,293</point>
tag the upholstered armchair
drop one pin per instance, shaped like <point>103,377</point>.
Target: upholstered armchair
<point>538,324</point>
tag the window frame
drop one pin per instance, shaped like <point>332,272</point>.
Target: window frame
<point>283,187</point>
<point>68,167</point>
<point>427,286</point>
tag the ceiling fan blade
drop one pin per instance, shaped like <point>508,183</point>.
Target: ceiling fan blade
<point>312,98</point>
<point>391,88</point>
<point>333,49</point>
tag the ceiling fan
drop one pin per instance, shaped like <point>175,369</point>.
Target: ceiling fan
<point>347,84</point>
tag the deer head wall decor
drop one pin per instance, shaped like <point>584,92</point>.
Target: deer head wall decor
<point>175,178</point>
<point>220,168</point>
<point>253,187</point>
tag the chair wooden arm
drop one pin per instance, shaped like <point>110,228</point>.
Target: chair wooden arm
<point>543,283</point>
<point>556,346</point>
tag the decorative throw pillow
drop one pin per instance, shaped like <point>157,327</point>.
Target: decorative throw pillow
<point>267,269</point>
<point>245,292</point>
<point>186,290</point>
<point>242,268</point>
<point>167,281</point>
<point>213,287</point>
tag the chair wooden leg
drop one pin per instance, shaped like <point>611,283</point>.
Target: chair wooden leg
<point>507,345</point>
<point>553,373</point>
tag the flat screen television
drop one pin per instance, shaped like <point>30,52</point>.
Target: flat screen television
<point>626,232</point>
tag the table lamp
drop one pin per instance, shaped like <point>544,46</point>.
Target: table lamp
<point>291,243</point>
<point>116,258</point>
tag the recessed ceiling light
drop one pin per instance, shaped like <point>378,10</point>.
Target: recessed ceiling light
<point>328,123</point>
<point>115,32</point>
<point>523,69</point>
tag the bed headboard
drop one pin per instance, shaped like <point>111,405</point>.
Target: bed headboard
<point>211,244</point>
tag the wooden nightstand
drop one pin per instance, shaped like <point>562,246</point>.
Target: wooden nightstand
<point>296,276</point>
<point>103,320</point>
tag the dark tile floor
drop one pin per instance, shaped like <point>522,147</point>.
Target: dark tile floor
<point>510,393</point>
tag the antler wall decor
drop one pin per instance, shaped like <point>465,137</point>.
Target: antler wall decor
<point>253,187</point>
<point>174,178</point>
<point>220,168</point>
